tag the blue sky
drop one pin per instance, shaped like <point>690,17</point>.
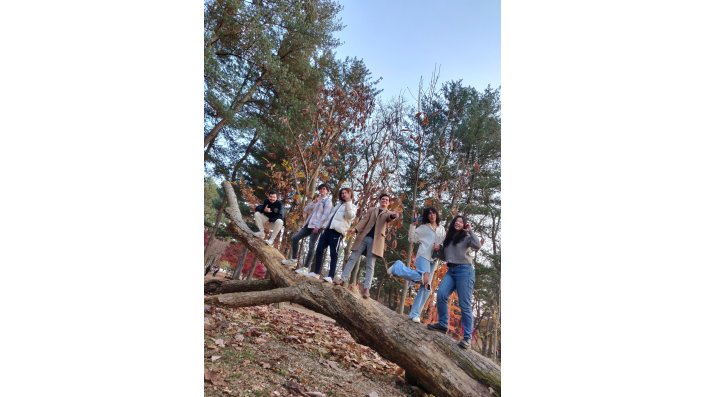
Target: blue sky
<point>401,41</point>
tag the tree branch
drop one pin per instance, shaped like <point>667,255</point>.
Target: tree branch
<point>243,299</point>
<point>222,287</point>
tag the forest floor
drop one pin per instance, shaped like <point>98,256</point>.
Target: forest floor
<point>291,351</point>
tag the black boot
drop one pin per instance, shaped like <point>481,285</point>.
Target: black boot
<point>437,327</point>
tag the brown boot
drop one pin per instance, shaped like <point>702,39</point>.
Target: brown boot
<point>366,293</point>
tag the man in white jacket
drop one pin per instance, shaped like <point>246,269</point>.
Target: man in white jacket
<point>337,225</point>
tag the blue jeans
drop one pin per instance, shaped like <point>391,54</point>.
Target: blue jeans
<point>462,279</point>
<point>305,231</point>
<point>422,266</point>
<point>330,239</point>
<point>366,247</point>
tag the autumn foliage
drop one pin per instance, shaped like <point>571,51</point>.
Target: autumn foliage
<point>233,254</point>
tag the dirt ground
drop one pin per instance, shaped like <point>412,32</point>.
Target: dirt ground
<point>291,351</point>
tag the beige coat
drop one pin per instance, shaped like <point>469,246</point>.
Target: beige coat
<point>378,218</point>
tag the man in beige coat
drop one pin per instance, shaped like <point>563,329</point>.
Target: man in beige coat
<point>371,232</point>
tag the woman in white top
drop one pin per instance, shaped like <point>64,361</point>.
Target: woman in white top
<point>334,230</point>
<point>430,237</point>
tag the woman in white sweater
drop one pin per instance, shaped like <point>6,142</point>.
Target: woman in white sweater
<point>334,229</point>
<point>429,236</point>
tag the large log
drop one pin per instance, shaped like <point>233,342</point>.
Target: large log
<point>432,359</point>
<point>242,299</point>
<point>226,286</point>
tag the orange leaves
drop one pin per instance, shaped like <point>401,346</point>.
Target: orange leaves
<point>421,116</point>
<point>247,192</point>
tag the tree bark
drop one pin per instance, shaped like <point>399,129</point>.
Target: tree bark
<point>252,269</point>
<point>434,360</point>
<point>241,264</point>
<point>236,167</point>
<point>400,309</point>
<point>242,299</point>
<point>228,286</point>
<point>214,229</point>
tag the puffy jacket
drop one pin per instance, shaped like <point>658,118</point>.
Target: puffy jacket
<point>340,217</point>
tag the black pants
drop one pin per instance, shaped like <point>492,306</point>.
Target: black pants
<point>304,232</point>
<point>329,239</point>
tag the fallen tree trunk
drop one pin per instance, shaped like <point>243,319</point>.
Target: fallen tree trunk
<point>242,299</point>
<point>223,287</point>
<point>433,360</point>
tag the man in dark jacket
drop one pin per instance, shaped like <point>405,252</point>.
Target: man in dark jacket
<point>269,211</point>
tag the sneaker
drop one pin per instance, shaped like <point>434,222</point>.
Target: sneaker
<point>269,242</point>
<point>288,262</point>
<point>437,327</point>
<point>416,320</point>
<point>366,293</point>
<point>465,343</point>
<point>328,279</point>
<point>303,271</point>
<point>314,275</point>
<point>389,270</point>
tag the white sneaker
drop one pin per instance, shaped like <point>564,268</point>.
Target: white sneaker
<point>330,280</point>
<point>314,275</point>
<point>269,242</point>
<point>259,234</point>
<point>416,320</point>
<point>303,271</point>
<point>288,262</point>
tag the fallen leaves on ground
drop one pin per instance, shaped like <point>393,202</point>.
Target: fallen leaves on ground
<point>266,351</point>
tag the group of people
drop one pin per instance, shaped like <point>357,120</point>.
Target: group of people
<point>327,225</point>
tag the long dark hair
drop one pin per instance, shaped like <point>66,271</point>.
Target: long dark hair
<point>454,235</point>
<point>426,212</point>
